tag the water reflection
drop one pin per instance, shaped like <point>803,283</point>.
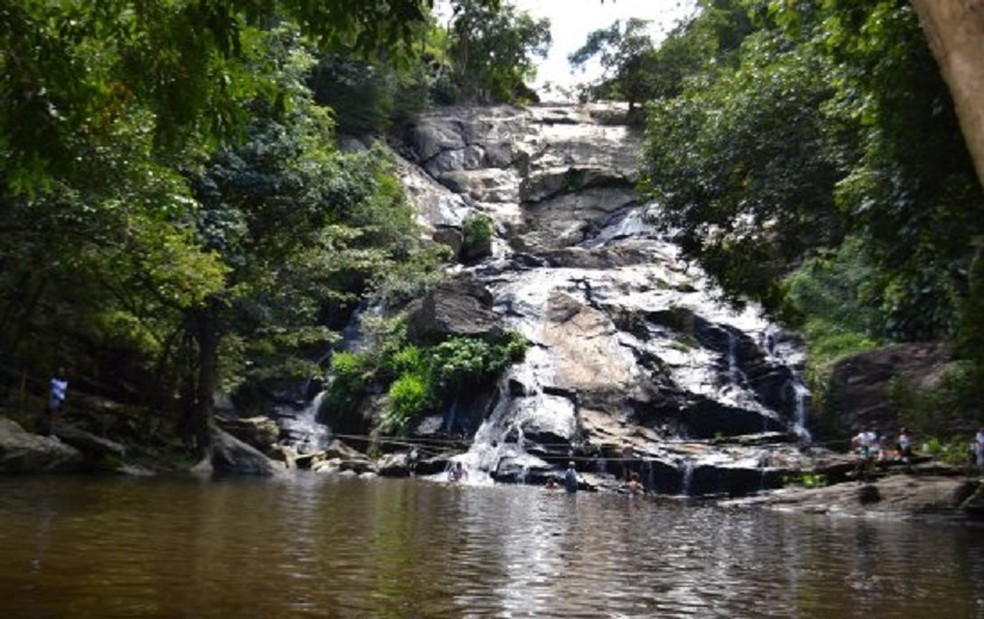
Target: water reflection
<point>312,546</point>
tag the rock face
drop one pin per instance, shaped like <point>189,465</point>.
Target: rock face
<point>898,495</point>
<point>630,348</point>
<point>24,452</point>
<point>860,385</point>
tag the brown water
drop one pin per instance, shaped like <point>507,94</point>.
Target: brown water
<point>311,546</point>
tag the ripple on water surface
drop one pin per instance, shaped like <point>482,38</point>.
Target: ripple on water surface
<point>310,546</point>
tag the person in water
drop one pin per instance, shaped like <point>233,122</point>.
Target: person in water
<point>457,472</point>
<point>551,484</point>
<point>634,486</point>
<point>571,480</point>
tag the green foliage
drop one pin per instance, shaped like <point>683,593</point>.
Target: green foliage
<point>74,71</point>
<point>419,379</point>
<point>826,298</point>
<point>477,236</point>
<point>477,229</point>
<point>956,451</point>
<point>627,57</point>
<point>745,168</point>
<point>807,480</point>
<point>492,52</point>
<point>350,375</point>
<point>811,160</point>
<point>359,92</point>
<point>408,399</point>
<point>949,407</point>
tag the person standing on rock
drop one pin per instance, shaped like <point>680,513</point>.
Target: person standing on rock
<point>866,445</point>
<point>57,388</point>
<point>903,444</point>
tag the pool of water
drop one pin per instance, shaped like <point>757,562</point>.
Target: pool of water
<point>318,546</point>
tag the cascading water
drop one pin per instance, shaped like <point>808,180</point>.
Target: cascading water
<point>686,476</point>
<point>306,434</point>
<point>629,344</point>
<point>802,395</point>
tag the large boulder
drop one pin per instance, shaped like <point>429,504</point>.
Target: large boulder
<point>456,308</point>
<point>24,452</point>
<point>258,431</point>
<point>859,391</point>
<point>92,446</point>
<point>230,456</point>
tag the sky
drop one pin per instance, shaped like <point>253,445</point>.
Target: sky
<point>572,20</point>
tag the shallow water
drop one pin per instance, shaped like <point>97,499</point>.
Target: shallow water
<point>316,546</point>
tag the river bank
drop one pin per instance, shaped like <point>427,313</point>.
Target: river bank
<point>927,490</point>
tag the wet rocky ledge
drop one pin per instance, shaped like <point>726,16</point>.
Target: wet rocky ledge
<point>937,495</point>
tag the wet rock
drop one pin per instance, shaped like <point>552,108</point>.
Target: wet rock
<point>901,496</point>
<point>630,345</point>
<point>868,494</point>
<point>396,465</point>
<point>231,456</point>
<point>24,452</point>
<point>92,446</point>
<point>258,431</point>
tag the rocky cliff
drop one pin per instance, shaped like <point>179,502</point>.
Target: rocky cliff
<point>634,363</point>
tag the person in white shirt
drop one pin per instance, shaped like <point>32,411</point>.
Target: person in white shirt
<point>57,388</point>
<point>865,444</point>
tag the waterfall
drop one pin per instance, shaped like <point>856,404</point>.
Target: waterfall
<point>489,446</point>
<point>612,314</point>
<point>802,395</point>
<point>687,476</point>
<point>307,435</point>
<point>734,373</point>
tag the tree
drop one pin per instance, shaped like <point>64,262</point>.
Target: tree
<point>492,51</point>
<point>627,58</point>
<point>954,31</point>
<point>109,111</point>
<point>72,70</point>
<point>806,133</point>
<point>744,167</point>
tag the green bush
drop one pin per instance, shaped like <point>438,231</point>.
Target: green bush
<point>418,379</point>
<point>408,401</point>
<point>347,387</point>
<point>476,236</point>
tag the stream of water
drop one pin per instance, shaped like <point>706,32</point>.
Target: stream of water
<point>319,546</point>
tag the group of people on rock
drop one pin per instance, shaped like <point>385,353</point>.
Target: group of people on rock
<point>869,445</point>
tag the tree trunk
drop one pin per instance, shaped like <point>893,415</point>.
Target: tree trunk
<point>955,31</point>
<point>206,334</point>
